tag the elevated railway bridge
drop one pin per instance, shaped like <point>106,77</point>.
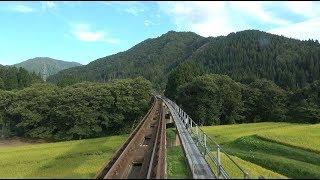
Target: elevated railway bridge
<point>142,155</point>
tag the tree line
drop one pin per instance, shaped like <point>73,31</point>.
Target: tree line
<point>16,78</point>
<point>214,99</point>
<point>82,110</point>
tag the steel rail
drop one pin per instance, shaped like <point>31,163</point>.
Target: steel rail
<point>143,144</point>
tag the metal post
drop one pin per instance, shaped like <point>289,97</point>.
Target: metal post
<point>246,175</point>
<point>197,130</point>
<point>186,121</point>
<point>218,159</point>
<point>205,144</point>
<point>200,140</point>
<point>193,169</point>
<point>197,136</point>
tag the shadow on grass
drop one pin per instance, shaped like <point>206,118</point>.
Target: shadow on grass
<point>286,160</point>
<point>287,144</point>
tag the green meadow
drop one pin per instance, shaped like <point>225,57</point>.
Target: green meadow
<point>177,165</point>
<point>69,159</point>
<point>271,150</point>
<point>176,162</point>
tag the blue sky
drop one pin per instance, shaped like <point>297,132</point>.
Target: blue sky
<point>85,31</point>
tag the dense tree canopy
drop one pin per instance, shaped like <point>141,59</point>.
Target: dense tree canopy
<point>264,101</point>
<point>304,104</point>
<point>244,55</point>
<point>217,99</point>
<point>153,59</point>
<point>212,99</point>
<point>16,78</point>
<point>79,111</point>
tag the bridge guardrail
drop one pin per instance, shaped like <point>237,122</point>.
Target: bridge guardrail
<point>208,146</point>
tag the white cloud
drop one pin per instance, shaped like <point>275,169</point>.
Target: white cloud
<point>111,41</point>
<point>221,18</point>
<point>134,11</point>
<point>304,8</point>
<point>84,32</point>
<point>305,30</point>
<point>107,3</point>
<point>46,5</point>
<point>204,18</point>
<point>258,10</point>
<point>149,23</point>
<point>89,36</point>
<point>22,9</point>
<point>121,2</point>
<point>132,7</point>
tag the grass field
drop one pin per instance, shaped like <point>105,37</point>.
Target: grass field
<point>288,149</point>
<point>254,170</point>
<point>70,159</point>
<point>273,150</point>
<point>177,166</point>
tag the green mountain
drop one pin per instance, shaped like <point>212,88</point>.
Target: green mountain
<point>153,59</point>
<point>46,66</point>
<point>249,55</point>
<point>244,56</point>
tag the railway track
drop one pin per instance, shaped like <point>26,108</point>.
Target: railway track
<point>142,156</point>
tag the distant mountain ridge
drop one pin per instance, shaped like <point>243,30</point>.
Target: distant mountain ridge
<point>46,66</point>
<point>153,58</point>
<point>176,57</point>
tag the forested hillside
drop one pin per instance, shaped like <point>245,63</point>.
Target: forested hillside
<point>244,56</point>
<point>16,78</point>
<point>153,59</point>
<point>46,66</point>
<point>214,99</point>
<point>249,55</point>
<point>79,111</point>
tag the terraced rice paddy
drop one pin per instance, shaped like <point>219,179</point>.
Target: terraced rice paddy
<point>287,149</point>
<point>69,159</point>
<point>271,150</point>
